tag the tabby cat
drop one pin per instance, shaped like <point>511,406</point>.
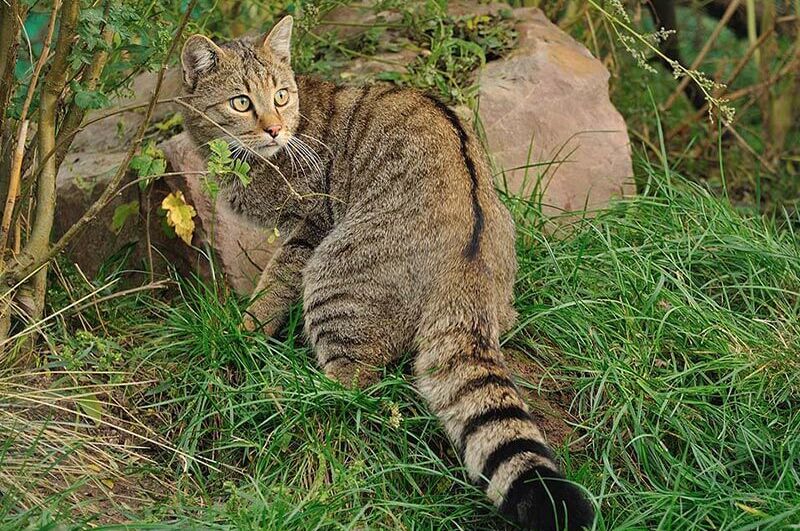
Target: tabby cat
<point>397,242</point>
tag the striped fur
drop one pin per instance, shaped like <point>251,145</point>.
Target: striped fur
<point>396,242</point>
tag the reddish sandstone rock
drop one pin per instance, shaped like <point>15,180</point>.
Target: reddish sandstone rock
<point>549,97</point>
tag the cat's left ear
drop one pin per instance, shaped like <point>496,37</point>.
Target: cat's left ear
<point>279,41</point>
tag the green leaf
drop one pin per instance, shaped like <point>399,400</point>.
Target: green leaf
<point>172,122</point>
<point>90,99</point>
<point>242,171</point>
<point>121,215</point>
<point>91,407</point>
<point>210,187</point>
<point>221,164</point>
<point>149,163</point>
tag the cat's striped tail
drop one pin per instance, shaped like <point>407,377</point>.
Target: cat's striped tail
<point>461,373</point>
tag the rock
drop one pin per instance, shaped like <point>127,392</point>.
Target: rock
<point>81,179</point>
<point>550,91</point>
<point>241,249</point>
<point>350,21</point>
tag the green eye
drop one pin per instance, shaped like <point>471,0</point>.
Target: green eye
<point>241,103</point>
<point>281,97</point>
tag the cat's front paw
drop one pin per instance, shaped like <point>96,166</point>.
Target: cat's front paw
<point>251,323</point>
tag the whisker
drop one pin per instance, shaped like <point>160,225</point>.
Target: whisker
<point>303,153</point>
<point>318,141</point>
<point>311,154</point>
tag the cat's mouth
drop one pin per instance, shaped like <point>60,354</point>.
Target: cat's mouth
<point>264,149</point>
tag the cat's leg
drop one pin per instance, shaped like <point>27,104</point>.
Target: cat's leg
<point>349,324</point>
<point>355,310</point>
<point>280,283</point>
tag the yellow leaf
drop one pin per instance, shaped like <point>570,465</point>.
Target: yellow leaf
<point>750,510</point>
<point>274,235</point>
<point>179,215</point>
<point>108,483</point>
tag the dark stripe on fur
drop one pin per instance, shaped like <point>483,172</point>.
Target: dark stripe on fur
<point>369,161</point>
<point>300,243</point>
<point>326,186</point>
<point>471,251</point>
<point>326,299</point>
<point>478,383</point>
<point>492,415</point>
<point>349,146</point>
<point>338,357</point>
<point>456,362</point>
<point>348,137</point>
<point>336,315</point>
<point>509,449</point>
<point>335,338</point>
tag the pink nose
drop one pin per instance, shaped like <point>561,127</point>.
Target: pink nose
<point>273,130</point>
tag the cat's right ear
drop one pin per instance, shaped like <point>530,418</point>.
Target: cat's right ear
<point>199,57</point>
<point>279,40</point>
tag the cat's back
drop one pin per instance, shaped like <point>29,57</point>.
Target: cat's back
<point>413,168</point>
<point>396,141</point>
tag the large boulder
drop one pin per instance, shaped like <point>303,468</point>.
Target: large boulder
<point>545,106</point>
<point>549,123</point>
<point>117,131</point>
<point>552,132</point>
<point>81,179</point>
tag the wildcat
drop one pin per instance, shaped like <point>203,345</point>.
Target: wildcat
<point>396,241</point>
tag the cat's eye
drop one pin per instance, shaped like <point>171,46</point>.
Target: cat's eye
<point>281,97</point>
<point>241,103</point>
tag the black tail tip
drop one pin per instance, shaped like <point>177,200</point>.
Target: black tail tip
<point>542,499</point>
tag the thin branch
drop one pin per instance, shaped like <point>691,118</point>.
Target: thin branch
<point>737,70</point>
<point>89,80</point>
<point>702,54</point>
<point>70,135</point>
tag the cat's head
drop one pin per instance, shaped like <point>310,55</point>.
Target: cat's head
<point>242,91</point>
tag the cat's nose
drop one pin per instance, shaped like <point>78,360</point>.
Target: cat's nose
<point>273,130</point>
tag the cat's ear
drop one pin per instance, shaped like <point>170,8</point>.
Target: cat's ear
<point>199,57</point>
<point>279,41</point>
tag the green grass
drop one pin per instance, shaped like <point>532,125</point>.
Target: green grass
<point>670,320</point>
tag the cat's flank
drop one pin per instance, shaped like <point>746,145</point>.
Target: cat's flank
<point>396,241</point>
